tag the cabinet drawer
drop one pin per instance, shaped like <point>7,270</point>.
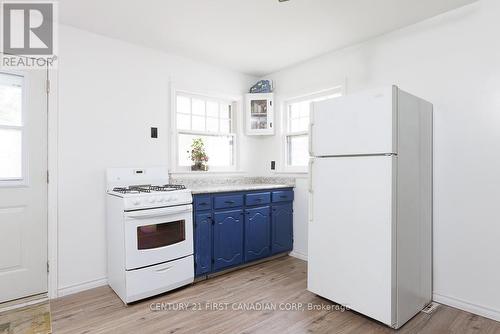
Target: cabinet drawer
<point>153,280</point>
<point>282,196</point>
<point>229,201</point>
<point>258,198</point>
<point>202,203</point>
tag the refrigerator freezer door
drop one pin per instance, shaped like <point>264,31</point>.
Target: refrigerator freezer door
<point>354,124</point>
<point>350,235</point>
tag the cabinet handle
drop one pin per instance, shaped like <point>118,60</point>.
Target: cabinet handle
<point>258,199</point>
<point>229,202</point>
<point>203,203</point>
<point>283,196</point>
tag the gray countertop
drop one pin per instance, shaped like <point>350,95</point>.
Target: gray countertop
<point>219,188</point>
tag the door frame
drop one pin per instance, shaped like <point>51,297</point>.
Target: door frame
<point>53,188</point>
<point>52,192</point>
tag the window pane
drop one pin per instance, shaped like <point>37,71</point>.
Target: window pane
<point>183,104</point>
<point>304,108</point>
<point>11,97</point>
<point>198,123</point>
<point>212,109</point>
<point>183,122</point>
<point>10,154</point>
<point>219,150</point>
<point>198,107</point>
<point>299,124</point>
<point>212,124</point>
<point>225,110</point>
<point>294,110</point>
<point>297,148</point>
<point>225,126</point>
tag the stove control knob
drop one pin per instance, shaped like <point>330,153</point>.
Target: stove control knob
<point>161,199</point>
<point>168,199</point>
<point>152,200</point>
<point>136,202</point>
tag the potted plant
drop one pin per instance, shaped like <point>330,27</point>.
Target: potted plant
<point>198,155</point>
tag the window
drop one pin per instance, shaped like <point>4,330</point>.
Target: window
<point>11,127</point>
<point>210,119</point>
<point>296,127</point>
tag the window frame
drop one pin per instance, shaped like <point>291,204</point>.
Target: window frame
<point>235,102</point>
<point>23,179</point>
<point>287,133</point>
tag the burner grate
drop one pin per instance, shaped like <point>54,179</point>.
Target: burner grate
<point>124,190</point>
<point>148,188</point>
<point>175,186</point>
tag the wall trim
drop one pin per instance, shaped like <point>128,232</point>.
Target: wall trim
<point>467,306</point>
<point>79,287</point>
<point>298,255</point>
<point>53,186</point>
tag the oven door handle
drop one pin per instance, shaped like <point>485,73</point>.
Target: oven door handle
<point>156,213</point>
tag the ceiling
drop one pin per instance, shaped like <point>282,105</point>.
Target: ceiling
<point>256,37</point>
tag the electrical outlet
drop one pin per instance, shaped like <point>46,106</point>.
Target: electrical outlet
<point>273,165</point>
<point>154,132</point>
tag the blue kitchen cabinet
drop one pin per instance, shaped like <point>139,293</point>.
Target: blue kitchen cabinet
<point>203,243</point>
<point>228,239</point>
<point>240,227</point>
<point>257,233</point>
<point>282,228</point>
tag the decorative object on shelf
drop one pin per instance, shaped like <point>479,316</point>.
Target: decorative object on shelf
<point>262,86</point>
<point>198,155</point>
<point>259,114</point>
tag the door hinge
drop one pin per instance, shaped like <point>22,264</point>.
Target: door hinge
<point>48,268</point>
<point>47,86</point>
<point>47,177</point>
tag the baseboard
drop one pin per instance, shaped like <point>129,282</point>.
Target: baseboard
<point>298,255</point>
<point>469,307</point>
<point>74,288</point>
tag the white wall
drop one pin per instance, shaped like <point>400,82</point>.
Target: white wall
<point>110,94</point>
<point>453,61</point>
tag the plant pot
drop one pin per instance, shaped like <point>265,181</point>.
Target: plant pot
<point>199,166</point>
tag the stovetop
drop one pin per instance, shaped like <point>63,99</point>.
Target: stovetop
<point>148,188</point>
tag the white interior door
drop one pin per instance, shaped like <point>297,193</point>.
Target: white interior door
<point>354,124</point>
<point>23,184</point>
<point>350,234</point>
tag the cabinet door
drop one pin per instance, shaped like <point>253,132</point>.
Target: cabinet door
<point>228,239</point>
<point>257,233</point>
<point>260,115</point>
<point>282,228</point>
<point>203,243</point>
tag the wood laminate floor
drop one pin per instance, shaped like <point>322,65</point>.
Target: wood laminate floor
<point>277,283</point>
<point>33,319</point>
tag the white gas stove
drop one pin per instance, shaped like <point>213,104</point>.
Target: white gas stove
<point>149,233</point>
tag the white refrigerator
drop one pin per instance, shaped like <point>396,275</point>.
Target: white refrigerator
<point>370,229</point>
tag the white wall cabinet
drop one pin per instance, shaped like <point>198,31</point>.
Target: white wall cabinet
<point>259,110</point>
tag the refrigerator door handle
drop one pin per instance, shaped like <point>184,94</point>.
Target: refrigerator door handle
<point>310,199</point>
<point>311,124</point>
<point>311,162</point>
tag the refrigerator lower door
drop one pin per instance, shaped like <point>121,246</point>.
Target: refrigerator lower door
<point>350,258</point>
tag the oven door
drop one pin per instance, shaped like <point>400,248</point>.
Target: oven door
<point>158,235</point>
